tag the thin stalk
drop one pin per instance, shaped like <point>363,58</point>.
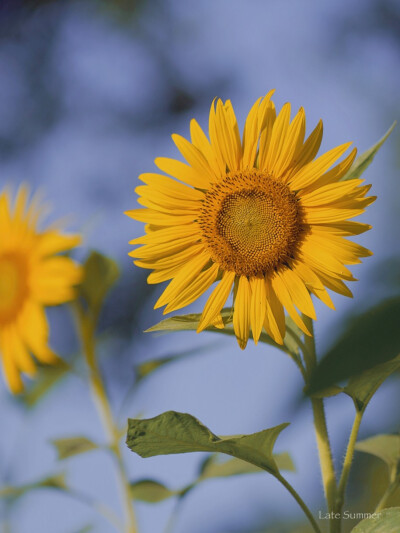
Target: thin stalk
<point>299,500</point>
<point>105,412</point>
<point>321,429</point>
<point>347,464</point>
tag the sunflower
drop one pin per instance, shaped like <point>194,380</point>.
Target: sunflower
<point>262,216</point>
<point>31,277</point>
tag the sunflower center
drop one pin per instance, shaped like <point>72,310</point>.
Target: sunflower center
<point>13,286</point>
<point>250,223</point>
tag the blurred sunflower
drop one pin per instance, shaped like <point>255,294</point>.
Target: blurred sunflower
<point>31,277</point>
<point>262,216</point>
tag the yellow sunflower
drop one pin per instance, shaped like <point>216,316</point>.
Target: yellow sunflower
<point>31,277</point>
<point>261,216</point>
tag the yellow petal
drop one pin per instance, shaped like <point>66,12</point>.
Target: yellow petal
<point>298,292</point>
<point>257,306</point>
<point>314,170</point>
<point>241,314</point>
<point>187,273</point>
<point>274,322</point>
<point>195,158</point>
<point>286,300</point>
<point>194,290</point>
<point>181,171</point>
<point>170,187</point>
<point>216,300</point>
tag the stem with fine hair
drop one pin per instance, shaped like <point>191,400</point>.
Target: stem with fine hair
<point>341,491</point>
<point>87,333</point>
<point>321,429</point>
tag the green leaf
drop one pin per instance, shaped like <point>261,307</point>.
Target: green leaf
<point>73,446</point>
<point>386,447</point>
<point>361,388</point>
<point>369,339</point>
<point>188,322</point>
<point>173,432</point>
<point>100,274</point>
<point>386,521</point>
<point>213,467</point>
<point>365,159</point>
<point>56,481</point>
<point>151,491</point>
<point>191,321</point>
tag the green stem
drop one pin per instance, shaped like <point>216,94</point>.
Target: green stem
<point>105,412</point>
<point>301,503</point>
<point>321,429</point>
<point>347,466</point>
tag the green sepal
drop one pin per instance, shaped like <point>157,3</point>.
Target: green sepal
<point>365,159</point>
<point>68,447</point>
<point>386,521</point>
<point>174,432</point>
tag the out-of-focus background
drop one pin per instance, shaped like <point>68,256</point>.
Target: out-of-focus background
<point>90,92</point>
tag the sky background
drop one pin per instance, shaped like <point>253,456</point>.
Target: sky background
<point>90,93</point>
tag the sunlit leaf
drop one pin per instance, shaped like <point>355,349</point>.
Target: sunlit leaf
<point>173,432</point>
<point>386,521</point>
<point>370,339</point>
<point>361,388</point>
<point>151,491</point>
<point>365,159</point>
<point>73,446</point>
<point>386,447</point>
<point>100,274</point>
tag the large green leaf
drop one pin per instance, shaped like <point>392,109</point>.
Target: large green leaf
<point>386,447</point>
<point>386,521</point>
<point>365,159</point>
<point>173,432</point>
<point>370,339</point>
<point>73,446</point>
<point>100,274</point>
<point>362,387</point>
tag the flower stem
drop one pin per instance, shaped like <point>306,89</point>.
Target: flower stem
<point>301,503</point>
<point>346,467</point>
<point>87,331</point>
<point>321,429</point>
